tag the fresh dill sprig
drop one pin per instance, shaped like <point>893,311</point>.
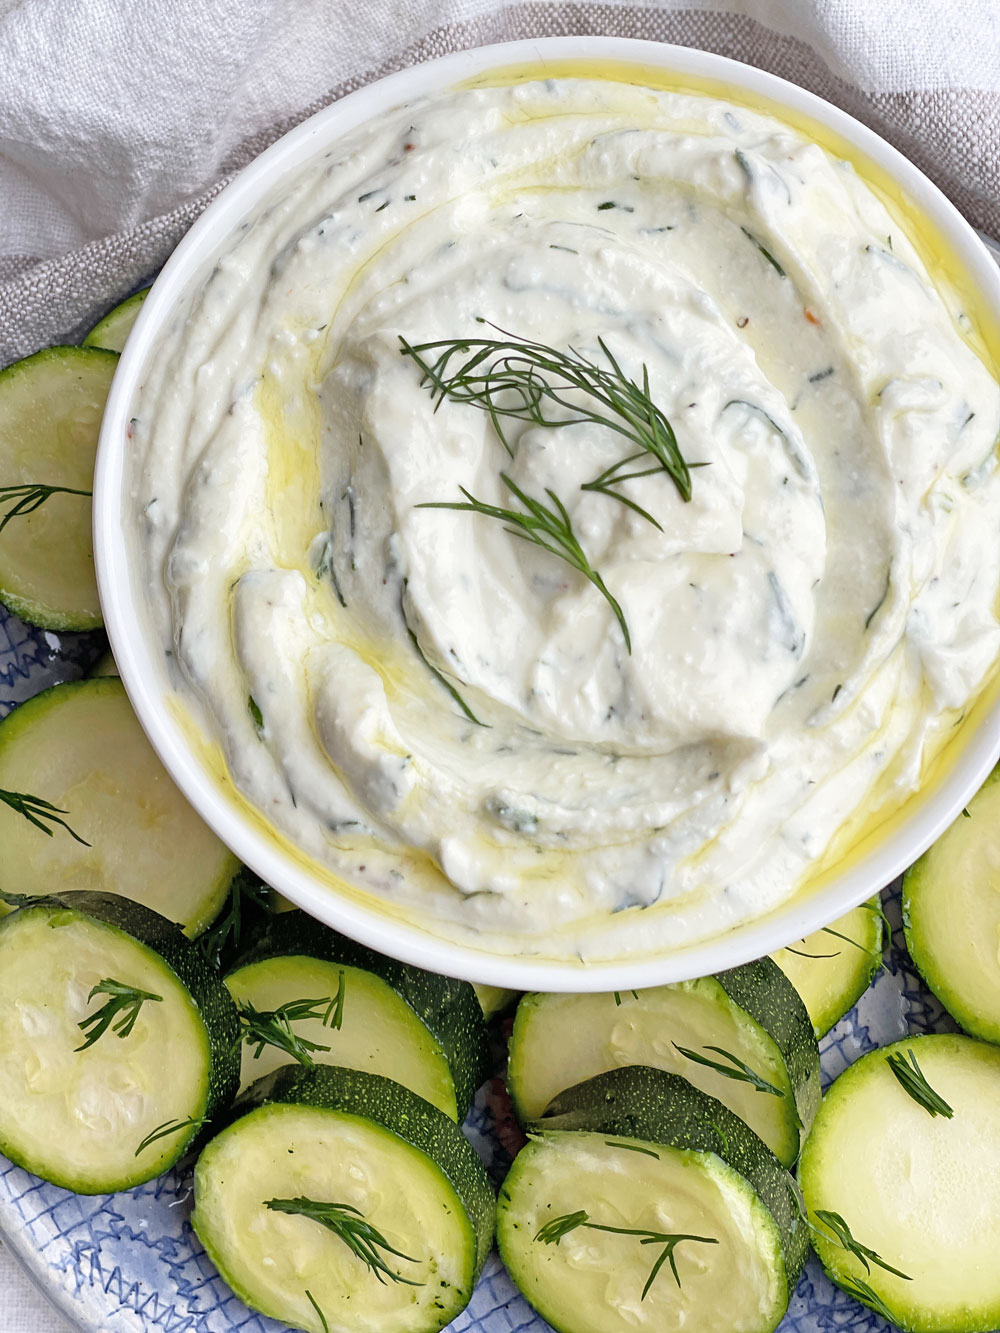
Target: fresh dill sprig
<point>442,679</point>
<point>439,676</point>
<point>507,378</point>
<point>736,1068</point>
<point>167,1128</point>
<point>549,528</point>
<point>841,1233</point>
<point>273,1027</point>
<point>27,498</point>
<point>350,1226</point>
<point>765,252</point>
<point>552,1233</point>
<point>803,953</point>
<point>319,1312</point>
<point>914,1083</point>
<point>35,811</point>
<point>863,1291</point>
<point>632,1147</point>
<point>123,1005</point>
<point>248,897</point>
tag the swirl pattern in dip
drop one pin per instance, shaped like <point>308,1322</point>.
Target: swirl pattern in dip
<point>805,631</point>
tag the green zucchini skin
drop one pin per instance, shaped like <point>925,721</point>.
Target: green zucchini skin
<point>921,1190</point>
<point>111,332</point>
<point>951,914</point>
<point>757,998</point>
<point>386,1103</point>
<point>652,1106</point>
<point>206,991</point>
<point>448,1008</point>
<point>765,993</point>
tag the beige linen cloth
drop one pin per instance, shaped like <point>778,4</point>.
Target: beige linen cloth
<point>121,119</point>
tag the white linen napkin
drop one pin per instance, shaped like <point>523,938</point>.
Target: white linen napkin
<point>120,118</point>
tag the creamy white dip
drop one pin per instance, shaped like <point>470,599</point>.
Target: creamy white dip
<point>803,630</point>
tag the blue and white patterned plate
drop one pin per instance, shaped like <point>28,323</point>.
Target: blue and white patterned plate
<point>130,1263</point>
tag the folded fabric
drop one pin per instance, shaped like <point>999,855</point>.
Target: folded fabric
<point>119,121</point>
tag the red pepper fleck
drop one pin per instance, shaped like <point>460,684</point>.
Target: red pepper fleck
<point>813,319</point>
<point>408,147</point>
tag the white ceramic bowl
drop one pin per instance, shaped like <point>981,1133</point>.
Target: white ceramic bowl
<point>140,659</point>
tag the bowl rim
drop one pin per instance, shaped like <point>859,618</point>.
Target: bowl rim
<point>140,663</point>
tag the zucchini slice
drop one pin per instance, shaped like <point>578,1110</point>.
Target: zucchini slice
<point>425,1031</point>
<point>748,1021</point>
<point>494,1000</point>
<point>951,914</point>
<point>111,331</point>
<point>832,968</point>
<point>645,1151</point>
<point>921,1190</point>
<point>77,1114</point>
<point>379,1158</point>
<point>80,747</point>
<point>51,405</point>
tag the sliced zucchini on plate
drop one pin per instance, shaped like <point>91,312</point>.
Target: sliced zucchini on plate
<point>425,1031</point>
<point>832,968</point>
<point>743,1036</point>
<point>116,1042</point>
<point>642,1203</point>
<point>80,748</point>
<point>951,914</point>
<point>51,405</point>
<point>904,1161</point>
<point>339,1200</point>
<point>111,331</point>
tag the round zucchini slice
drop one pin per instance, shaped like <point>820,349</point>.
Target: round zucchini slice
<point>51,405</point>
<point>951,914</point>
<point>425,1031</point>
<point>111,331</point>
<point>905,1153</point>
<point>116,1042</point>
<point>642,1203</point>
<point>80,748</point>
<point>340,1202</point>
<point>832,968</point>
<point>743,1036</point>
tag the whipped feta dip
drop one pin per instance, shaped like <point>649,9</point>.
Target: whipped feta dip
<point>448,717</point>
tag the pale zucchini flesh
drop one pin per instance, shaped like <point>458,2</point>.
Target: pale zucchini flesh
<point>560,1040</point>
<point>80,747</point>
<point>951,914</point>
<point>77,1117</point>
<point>922,1191</point>
<point>51,406</point>
<point>447,1009</point>
<point>830,972</point>
<point>592,1282</point>
<point>272,1259</point>
<point>379,1032</point>
<point>341,1136</point>
<point>112,331</point>
<point>494,1000</point>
